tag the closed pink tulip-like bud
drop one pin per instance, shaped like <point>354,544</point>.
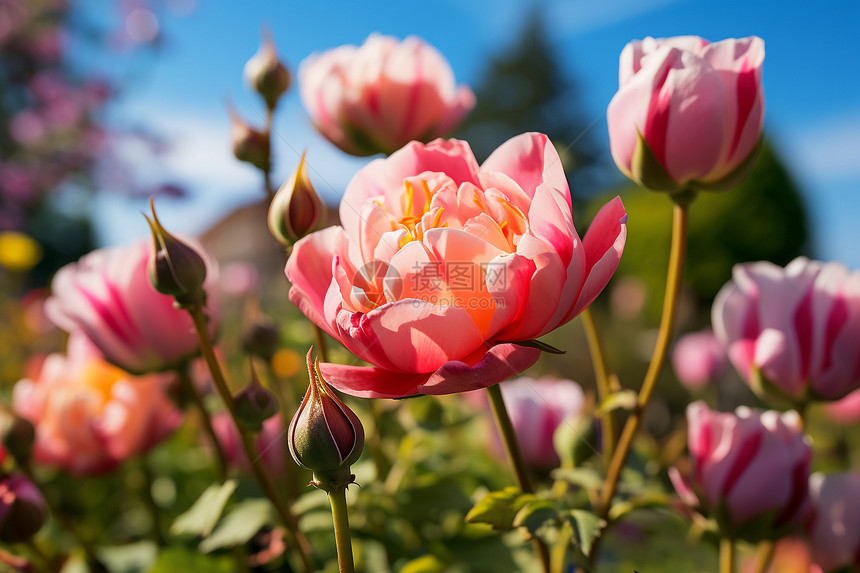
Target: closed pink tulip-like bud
<point>108,296</point>
<point>698,359</point>
<point>834,530</point>
<point>22,509</point>
<point>270,443</point>
<point>296,209</point>
<point>688,114</point>
<point>793,331</point>
<point>444,271</point>
<point>266,74</point>
<point>90,416</point>
<point>379,96</point>
<point>325,436</point>
<point>249,145</point>
<point>750,470</point>
<point>175,268</point>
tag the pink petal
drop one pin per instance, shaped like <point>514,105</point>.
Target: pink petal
<point>529,159</point>
<point>309,269</point>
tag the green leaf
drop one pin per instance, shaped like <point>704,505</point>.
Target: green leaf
<point>536,516</point>
<point>586,478</point>
<point>202,516</point>
<point>499,508</point>
<point>173,559</point>
<point>623,399</point>
<point>586,528</point>
<point>424,564</point>
<point>646,500</point>
<point>243,521</point>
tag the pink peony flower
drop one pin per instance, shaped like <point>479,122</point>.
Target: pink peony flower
<point>698,358</point>
<point>271,443</point>
<point>441,265</point>
<point>381,95</point>
<point>834,530</point>
<point>107,294</point>
<point>750,470</point>
<point>89,415</point>
<point>536,408</point>
<point>687,113</point>
<point>793,331</point>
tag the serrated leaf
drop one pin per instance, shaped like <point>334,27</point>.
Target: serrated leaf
<point>536,516</point>
<point>173,559</point>
<point>499,508</point>
<point>586,528</point>
<point>586,478</point>
<point>424,564</point>
<point>204,514</point>
<point>243,521</point>
<point>620,400</point>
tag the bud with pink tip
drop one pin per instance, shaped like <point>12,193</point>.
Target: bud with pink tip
<point>834,530</point>
<point>22,509</point>
<point>249,144</point>
<point>175,268</point>
<point>296,210</point>
<point>266,74</point>
<point>255,404</point>
<point>750,470</point>
<point>325,436</point>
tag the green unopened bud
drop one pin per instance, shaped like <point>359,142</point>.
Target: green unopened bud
<point>22,509</point>
<point>261,337</point>
<point>16,435</point>
<point>325,435</point>
<point>266,74</point>
<point>175,268</point>
<point>249,144</point>
<point>255,404</point>
<point>296,209</point>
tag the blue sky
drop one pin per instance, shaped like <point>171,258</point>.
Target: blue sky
<point>811,81</point>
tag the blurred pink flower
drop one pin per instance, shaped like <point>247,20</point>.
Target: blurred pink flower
<point>536,408</point>
<point>793,330</point>
<point>381,95</point>
<point>89,415</point>
<point>698,358</point>
<point>790,555</point>
<point>750,470</point>
<point>107,295</point>
<point>846,410</point>
<point>687,113</point>
<point>441,265</point>
<point>834,530</point>
<point>271,443</point>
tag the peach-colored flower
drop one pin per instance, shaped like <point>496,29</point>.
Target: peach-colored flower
<point>381,95</point>
<point>90,415</point>
<point>441,265</point>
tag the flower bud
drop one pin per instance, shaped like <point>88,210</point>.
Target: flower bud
<point>261,338</point>
<point>296,209</point>
<point>266,74</point>
<point>255,404</point>
<point>22,509</point>
<point>16,435</point>
<point>175,268</point>
<point>325,436</point>
<point>249,144</point>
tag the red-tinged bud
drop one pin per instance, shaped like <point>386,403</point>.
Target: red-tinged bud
<point>249,144</point>
<point>266,74</point>
<point>325,435</point>
<point>255,404</point>
<point>16,435</point>
<point>296,209</point>
<point>175,268</point>
<point>22,509</point>
<point>262,337</point>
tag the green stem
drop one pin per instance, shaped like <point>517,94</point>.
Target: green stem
<point>267,173</point>
<point>149,502</point>
<point>763,556</point>
<point>727,555</point>
<point>509,437</point>
<point>290,521</point>
<point>321,346</point>
<point>190,390</point>
<point>601,377</point>
<point>46,563</point>
<point>661,350</point>
<point>340,515</point>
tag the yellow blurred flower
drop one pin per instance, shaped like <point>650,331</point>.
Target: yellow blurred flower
<point>19,252</point>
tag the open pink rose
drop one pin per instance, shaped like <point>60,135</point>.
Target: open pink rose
<point>381,95</point>
<point>89,415</point>
<point>750,470</point>
<point>441,265</point>
<point>107,295</point>
<point>793,330</point>
<point>834,530</point>
<point>687,113</point>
